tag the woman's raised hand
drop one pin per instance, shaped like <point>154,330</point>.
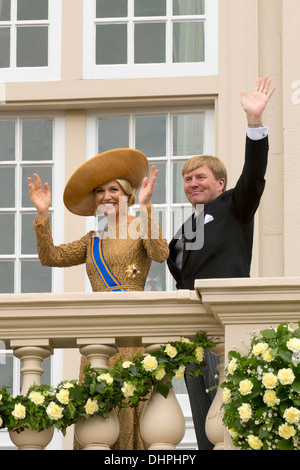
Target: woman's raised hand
<point>40,197</point>
<point>147,188</point>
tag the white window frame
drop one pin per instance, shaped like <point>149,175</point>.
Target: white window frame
<point>167,69</point>
<point>53,70</point>
<point>57,208</point>
<point>57,203</point>
<point>209,148</point>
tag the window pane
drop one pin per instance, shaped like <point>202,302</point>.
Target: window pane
<point>7,234</point>
<point>6,277</point>
<point>32,46</point>
<point>188,131</point>
<point>179,216</point>
<point>35,277</point>
<point>150,135</point>
<point>37,139</point>
<point>32,10</point>
<point>111,9</point>
<point>7,140</point>
<point>28,236</point>
<point>111,44</point>
<point>113,133</point>
<point>6,370</point>
<point>153,8</point>
<point>159,195</point>
<point>7,187</point>
<point>178,191</point>
<point>188,42</point>
<point>149,43</point>
<point>45,173</point>
<point>5,10</point>
<point>188,7</point>
<point>5,47</point>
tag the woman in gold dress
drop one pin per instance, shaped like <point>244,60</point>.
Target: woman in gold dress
<point>118,258</point>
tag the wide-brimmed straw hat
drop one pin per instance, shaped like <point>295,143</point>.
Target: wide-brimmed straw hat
<point>123,163</point>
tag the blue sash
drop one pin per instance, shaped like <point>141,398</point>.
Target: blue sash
<point>109,280</point>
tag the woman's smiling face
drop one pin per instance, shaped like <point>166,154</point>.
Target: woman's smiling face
<point>107,198</point>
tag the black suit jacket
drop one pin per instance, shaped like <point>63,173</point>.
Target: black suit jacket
<point>228,238</point>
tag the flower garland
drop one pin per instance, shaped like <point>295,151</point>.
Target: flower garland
<point>124,384</point>
<point>261,392</point>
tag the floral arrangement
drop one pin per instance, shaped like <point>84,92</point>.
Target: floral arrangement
<point>126,383</point>
<point>261,392</point>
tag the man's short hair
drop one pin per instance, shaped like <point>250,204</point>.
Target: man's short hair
<point>214,164</point>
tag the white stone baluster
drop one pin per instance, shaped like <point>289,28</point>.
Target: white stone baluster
<point>31,355</point>
<point>96,432</point>
<point>214,427</point>
<point>162,424</point>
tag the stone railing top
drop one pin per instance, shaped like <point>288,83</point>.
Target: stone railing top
<point>251,301</point>
<point>66,320</point>
<point>130,318</point>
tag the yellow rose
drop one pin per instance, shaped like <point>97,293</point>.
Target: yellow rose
<point>106,377</point>
<point>245,387</point>
<point>293,344</point>
<point>63,396</point>
<point>245,412</point>
<point>150,363</point>
<point>127,364</point>
<point>199,353</point>
<point>232,366</point>
<point>19,411</point>
<point>286,376</point>
<point>270,398</point>
<point>128,389</point>
<point>36,397</point>
<point>68,385</point>
<point>171,350</point>
<point>185,340</point>
<point>91,406</point>
<point>1,421</point>
<point>160,374</point>
<point>233,433</point>
<point>292,415</point>
<point>54,411</point>
<point>270,380</point>
<point>254,442</point>
<point>259,348</point>
<point>286,432</point>
<point>226,396</point>
<point>267,356</point>
<point>179,373</point>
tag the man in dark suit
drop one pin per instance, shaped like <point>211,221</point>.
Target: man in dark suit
<point>217,241</point>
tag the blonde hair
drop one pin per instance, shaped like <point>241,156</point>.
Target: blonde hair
<point>128,190</point>
<point>214,164</point>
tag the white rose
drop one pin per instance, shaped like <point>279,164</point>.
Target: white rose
<point>292,415</point>
<point>128,389</point>
<point>286,376</point>
<point>63,396</point>
<point>171,350</point>
<point>91,406</point>
<point>36,397</point>
<point>245,412</point>
<point>106,377</point>
<point>150,363</point>
<point>54,411</point>
<point>19,411</point>
<point>293,344</point>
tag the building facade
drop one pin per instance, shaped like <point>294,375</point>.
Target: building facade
<point>78,77</point>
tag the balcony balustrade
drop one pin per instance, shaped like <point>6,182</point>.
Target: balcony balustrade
<point>33,325</point>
